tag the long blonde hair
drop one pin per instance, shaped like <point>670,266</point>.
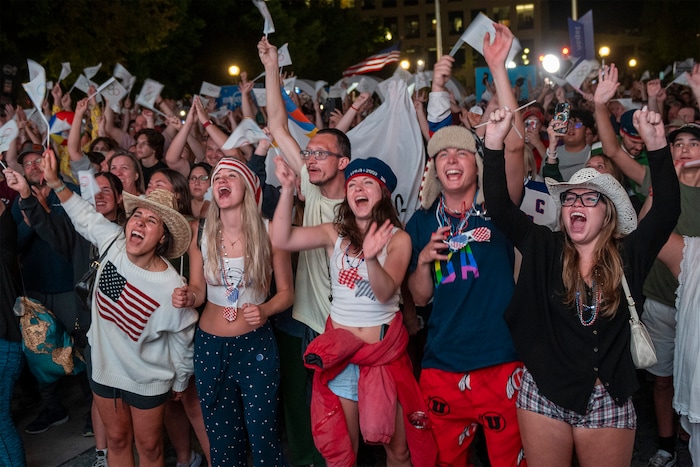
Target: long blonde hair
<point>258,250</point>
<point>607,268</point>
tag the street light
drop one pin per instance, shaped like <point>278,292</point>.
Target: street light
<point>604,51</point>
<point>632,62</point>
<point>420,65</point>
<point>234,70</point>
<point>405,64</point>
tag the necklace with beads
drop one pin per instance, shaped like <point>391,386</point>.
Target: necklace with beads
<point>232,279</point>
<point>457,239</point>
<point>349,276</point>
<point>587,314</point>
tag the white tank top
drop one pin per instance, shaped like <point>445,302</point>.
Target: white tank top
<point>354,303</point>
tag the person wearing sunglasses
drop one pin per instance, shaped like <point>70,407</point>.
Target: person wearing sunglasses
<point>569,317</point>
<point>568,150</point>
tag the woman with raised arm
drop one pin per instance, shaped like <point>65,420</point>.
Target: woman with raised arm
<point>569,317</point>
<point>363,375</point>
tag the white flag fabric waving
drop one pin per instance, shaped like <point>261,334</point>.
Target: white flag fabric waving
<point>269,26</point>
<point>149,93</point>
<point>113,94</point>
<point>121,73</point>
<point>210,90</point>
<point>580,72</point>
<point>35,69</point>
<point>247,132</point>
<point>82,83</point>
<point>392,133</point>
<point>290,84</point>
<point>91,71</point>
<point>8,132</point>
<point>283,57</point>
<point>65,71</point>
<point>36,88</point>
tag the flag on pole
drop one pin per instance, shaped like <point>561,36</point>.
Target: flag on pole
<point>114,93</point>
<point>376,62</point>
<point>35,69</point>
<point>121,73</point>
<point>210,90</point>
<point>65,71</point>
<point>91,71</point>
<point>149,93</point>
<point>269,26</point>
<point>580,72</point>
<point>581,37</point>
<point>283,57</point>
<point>247,132</point>
<point>8,133</point>
<point>82,83</point>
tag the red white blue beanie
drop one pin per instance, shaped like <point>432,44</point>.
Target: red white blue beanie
<point>251,180</point>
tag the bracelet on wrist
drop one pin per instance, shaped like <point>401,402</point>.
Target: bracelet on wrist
<point>206,124</point>
<point>354,108</point>
<point>59,189</point>
<point>550,154</point>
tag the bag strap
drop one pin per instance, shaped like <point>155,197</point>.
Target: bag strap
<point>630,301</point>
<point>102,256</point>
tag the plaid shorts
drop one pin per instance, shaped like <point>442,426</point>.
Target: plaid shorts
<point>601,412</point>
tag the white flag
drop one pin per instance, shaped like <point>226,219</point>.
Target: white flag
<point>247,132</point>
<point>8,132</point>
<point>65,71</point>
<point>35,70</point>
<point>283,57</point>
<point>121,72</point>
<point>210,90</point>
<point>290,84</point>
<point>149,93</point>
<point>91,71</point>
<point>475,33</point>
<point>129,84</point>
<point>113,94</point>
<point>269,26</point>
<point>88,185</point>
<point>82,83</point>
<point>580,72</point>
<point>260,97</point>
<point>36,89</point>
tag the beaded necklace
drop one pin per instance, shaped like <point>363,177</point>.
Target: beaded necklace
<point>587,314</point>
<point>457,239</point>
<point>232,288</point>
<point>350,275</point>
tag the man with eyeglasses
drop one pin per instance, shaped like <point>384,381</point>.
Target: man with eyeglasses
<point>320,167</point>
<point>572,155</point>
<point>47,276</point>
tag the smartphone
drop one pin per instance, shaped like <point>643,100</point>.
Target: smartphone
<point>561,114</point>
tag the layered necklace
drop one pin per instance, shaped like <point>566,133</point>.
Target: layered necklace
<point>457,238</point>
<point>349,276</point>
<point>587,314</point>
<point>233,283</point>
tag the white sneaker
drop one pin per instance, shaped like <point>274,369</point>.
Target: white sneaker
<point>195,461</point>
<point>100,460</point>
<point>663,459</point>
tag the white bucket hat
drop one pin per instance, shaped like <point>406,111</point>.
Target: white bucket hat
<point>604,184</point>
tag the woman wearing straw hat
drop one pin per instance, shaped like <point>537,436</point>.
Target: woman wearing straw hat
<point>569,316</point>
<point>236,360</point>
<point>141,345</point>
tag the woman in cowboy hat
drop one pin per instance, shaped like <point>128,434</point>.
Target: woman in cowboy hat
<point>236,361</point>
<point>141,345</point>
<point>569,316</point>
<point>363,378</point>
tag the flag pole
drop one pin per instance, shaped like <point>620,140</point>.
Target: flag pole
<point>438,30</point>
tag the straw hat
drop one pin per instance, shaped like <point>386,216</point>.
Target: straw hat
<point>162,202</point>
<point>604,184</point>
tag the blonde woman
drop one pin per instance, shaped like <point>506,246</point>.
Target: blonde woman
<point>236,360</point>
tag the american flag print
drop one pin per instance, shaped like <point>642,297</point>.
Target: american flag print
<point>122,303</point>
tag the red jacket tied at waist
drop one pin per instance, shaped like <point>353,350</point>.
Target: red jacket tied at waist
<point>385,375</point>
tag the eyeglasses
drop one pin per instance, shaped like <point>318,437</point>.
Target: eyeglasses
<point>36,162</point>
<point>588,199</point>
<point>576,125</point>
<point>318,155</point>
<point>201,178</point>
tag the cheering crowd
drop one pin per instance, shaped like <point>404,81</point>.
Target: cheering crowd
<point>247,301</point>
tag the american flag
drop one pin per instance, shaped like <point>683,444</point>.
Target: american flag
<point>122,303</point>
<point>376,62</point>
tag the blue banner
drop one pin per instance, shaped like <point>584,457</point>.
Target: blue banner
<point>581,37</point>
